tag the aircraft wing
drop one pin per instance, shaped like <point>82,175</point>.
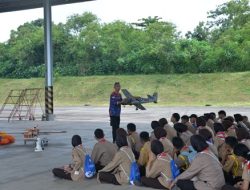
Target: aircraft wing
<point>127,93</point>
<point>139,106</point>
<point>50,132</point>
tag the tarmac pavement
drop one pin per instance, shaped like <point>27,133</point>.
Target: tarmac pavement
<point>23,169</point>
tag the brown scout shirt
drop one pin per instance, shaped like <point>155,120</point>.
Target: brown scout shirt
<point>152,136</point>
<point>168,146</point>
<point>210,124</point>
<point>246,142</point>
<point>160,168</point>
<point>78,158</point>
<point>135,142</point>
<point>208,171</point>
<point>219,139</point>
<point>185,136</point>
<point>190,127</point>
<point>246,173</point>
<point>120,165</point>
<point>103,152</point>
<point>144,154</point>
<point>171,132</point>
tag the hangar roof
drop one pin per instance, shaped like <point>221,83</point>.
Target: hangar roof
<point>16,5</point>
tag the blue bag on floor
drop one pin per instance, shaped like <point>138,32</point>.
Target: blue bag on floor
<point>89,167</point>
<point>134,173</point>
<point>174,169</point>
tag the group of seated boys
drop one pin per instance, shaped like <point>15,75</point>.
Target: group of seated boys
<point>212,153</point>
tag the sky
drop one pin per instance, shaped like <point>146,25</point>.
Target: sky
<point>185,14</point>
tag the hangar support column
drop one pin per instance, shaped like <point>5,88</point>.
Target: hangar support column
<point>49,107</point>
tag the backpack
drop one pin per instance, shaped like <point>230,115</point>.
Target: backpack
<point>89,167</point>
<point>174,169</point>
<point>190,154</point>
<point>134,173</point>
<point>134,170</point>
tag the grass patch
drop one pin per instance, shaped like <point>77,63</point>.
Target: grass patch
<point>217,89</point>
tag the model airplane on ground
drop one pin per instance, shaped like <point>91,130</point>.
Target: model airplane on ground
<point>32,134</point>
<point>137,101</point>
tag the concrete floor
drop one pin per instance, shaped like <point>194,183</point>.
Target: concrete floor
<point>23,169</point>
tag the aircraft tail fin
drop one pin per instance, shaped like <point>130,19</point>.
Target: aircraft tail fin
<point>155,97</point>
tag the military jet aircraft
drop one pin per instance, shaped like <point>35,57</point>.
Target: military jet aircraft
<point>137,101</point>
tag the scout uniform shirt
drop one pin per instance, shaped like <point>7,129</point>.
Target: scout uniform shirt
<point>167,144</point>
<point>135,142</point>
<point>171,132</point>
<point>144,154</point>
<point>246,142</point>
<point>185,136</point>
<point>246,173</point>
<point>120,165</point>
<point>160,169</point>
<point>219,139</point>
<point>190,127</point>
<point>103,152</point>
<point>207,169</point>
<point>78,156</point>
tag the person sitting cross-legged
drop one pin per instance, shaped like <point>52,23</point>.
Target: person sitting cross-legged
<point>117,172</point>
<point>74,171</point>
<point>158,170</point>
<point>103,151</point>
<point>144,153</point>
<point>205,168</point>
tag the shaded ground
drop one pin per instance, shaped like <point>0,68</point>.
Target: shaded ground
<point>23,169</point>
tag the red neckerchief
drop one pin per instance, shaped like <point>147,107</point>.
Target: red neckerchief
<point>248,164</point>
<point>162,155</point>
<point>102,140</point>
<point>222,135</point>
<point>206,150</point>
<point>185,148</point>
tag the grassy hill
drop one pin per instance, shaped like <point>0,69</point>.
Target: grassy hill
<point>219,89</point>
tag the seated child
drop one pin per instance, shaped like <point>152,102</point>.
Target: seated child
<point>118,170</point>
<point>232,165</point>
<point>175,118</point>
<point>181,160</point>
<point>206,134</point>
<point>205,169</point>
<point>201,124</point>
<point>183,132</point>
<point>229,127</point>
<point>185,121</point>
<point>74,171</point>
<point>161,135</point>
<point>158,170</point>
<point>144,153</point>
<point>171,132</point>
<point>154,125</point>
<point>242,153</point>
<point>243,136</point>
<point>220,135</point>
<point>134,139</point>
<point>103,151</point>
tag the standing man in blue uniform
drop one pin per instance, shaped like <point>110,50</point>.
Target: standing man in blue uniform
<point>115,109</point>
